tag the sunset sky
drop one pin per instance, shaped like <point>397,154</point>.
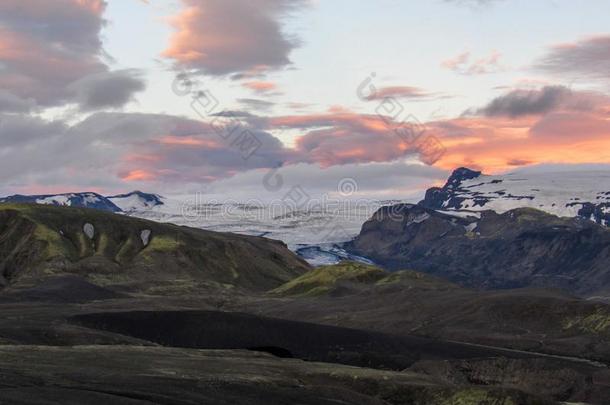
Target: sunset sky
<point>179,96</point>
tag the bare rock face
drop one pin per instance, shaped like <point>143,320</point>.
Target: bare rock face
<point>89,230</point>
<point>520,248</point>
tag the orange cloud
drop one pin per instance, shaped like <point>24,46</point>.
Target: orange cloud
<point>138,175</point>
<point>171,140</point>
<point>502,143</point>
<point>576,131</point>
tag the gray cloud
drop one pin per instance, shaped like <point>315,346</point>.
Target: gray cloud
<point>541,101</point>
<point>72,23</point>
<point>12,103</point>
<point>374,180</point>
<point>107,89</point>
<point>589,57</point>
<point>26,131</point>
<point>52,55</point>
<point>409,92</point>
<point>526,102</point>
<point>256,104</point>
<point>48,45</point>
<point>121,150</point>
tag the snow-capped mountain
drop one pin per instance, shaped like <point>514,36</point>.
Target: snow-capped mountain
<point>583,192</point>
<point>136,201</point>
<point>86,200</point>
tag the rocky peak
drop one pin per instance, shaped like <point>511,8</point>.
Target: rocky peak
<point>459,175</point>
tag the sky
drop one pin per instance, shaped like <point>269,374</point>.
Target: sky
<point>259,97</point>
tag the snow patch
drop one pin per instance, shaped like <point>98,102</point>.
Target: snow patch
<point>133,202</point>
<point>89,230</point>
<point>461,214</point>
<point>145,236</point>
<point>91,198</point>
<point>418,219</point>
<point>471,227</point>
<point>55,200</point>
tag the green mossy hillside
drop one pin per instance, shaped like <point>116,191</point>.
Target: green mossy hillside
<point>326,279</point>
<point>42,240</point>
<point>323,279</point>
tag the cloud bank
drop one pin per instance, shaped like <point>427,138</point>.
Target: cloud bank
<point>52,54</point>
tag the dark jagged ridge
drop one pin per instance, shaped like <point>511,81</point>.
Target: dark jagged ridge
<point>520,248</point>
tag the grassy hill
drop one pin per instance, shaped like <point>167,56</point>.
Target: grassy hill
<point>37,241</point>
<point>349,277</point>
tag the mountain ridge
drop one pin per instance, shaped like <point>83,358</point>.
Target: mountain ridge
<point>522,247</point>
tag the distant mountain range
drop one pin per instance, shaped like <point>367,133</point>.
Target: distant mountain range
<point>579,192</point>
<point>136,200</point>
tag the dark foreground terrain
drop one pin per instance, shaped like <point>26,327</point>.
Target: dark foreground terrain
<point>193,317</point>
<point>154,375</point>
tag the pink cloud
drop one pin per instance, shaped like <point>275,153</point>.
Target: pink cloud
<point>462,64</point>
<point>228,36</point>
<point>341,137</point>
<point>260,86</point>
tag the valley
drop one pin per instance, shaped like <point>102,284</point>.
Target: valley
<point>175,305</point>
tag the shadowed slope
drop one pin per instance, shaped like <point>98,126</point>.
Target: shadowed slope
<point>523,247</point>
<point>408,302</point>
